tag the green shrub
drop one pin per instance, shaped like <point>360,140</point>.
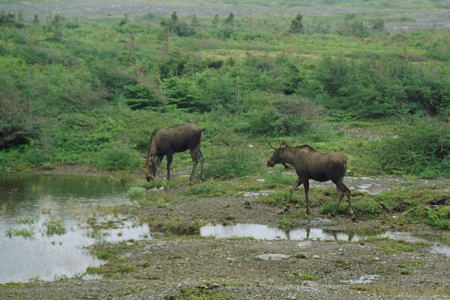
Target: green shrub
<point>378,88</point>
<point>135,193</point>
<point>287,116</point>
<point>415,147</point>
<point>235,160</point>
<point>115,158</point>
<point>439,219</point>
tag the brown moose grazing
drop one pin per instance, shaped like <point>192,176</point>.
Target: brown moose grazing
<point>310,164</point>
<point>167,141</point>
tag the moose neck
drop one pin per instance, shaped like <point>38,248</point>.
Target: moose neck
<point>288,156</point>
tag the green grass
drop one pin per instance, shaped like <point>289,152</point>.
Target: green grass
<point>303,277</point>
<point>22,232</point>
<point>55,227</point>
<point>391,247</point>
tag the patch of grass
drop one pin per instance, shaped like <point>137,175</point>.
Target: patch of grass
<point>276,178</point>
<point>300,255</point>
<point>159,199</point>
<point>279,199</point>
<point>303,277</point>
<point>211,188</point>
<point>391,247</point>
<point>23,232</point>
<point>206,291</point>
<point>115,265</point>
<point>176,225</point>
<point>55,227</point>
<point>136,193</point>
<point>440,218</point>
<point>25,220</point>
<point>412,263</point>
<point>365,208</point>
<point>286,223</point>
<point>342,264</point>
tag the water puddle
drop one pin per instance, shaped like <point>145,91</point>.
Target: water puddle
<point>264,232</point>
<point>43,231</point>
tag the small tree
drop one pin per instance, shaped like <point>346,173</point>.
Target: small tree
<point>195,22</point>
<point>297,24</point>
<point>215,20</point>
<point>36,19</point>
<point>124,20</point>
<point>229,20</point>
<point>57,26</point>
<point>174,25</point>
<point>174,17</point>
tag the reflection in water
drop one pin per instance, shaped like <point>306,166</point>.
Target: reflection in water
<point>29,201</point>
<point>263,232</point>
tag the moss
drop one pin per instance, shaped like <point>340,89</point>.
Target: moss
<point>391,247</point>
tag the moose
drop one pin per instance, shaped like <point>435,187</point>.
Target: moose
<point>167,141</point>
<point>311,164</point>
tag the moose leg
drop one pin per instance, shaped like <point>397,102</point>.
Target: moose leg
<point>196,156</point>
<point>308,203</point>
<point>158,160</point>
<point>169,163</point>
<point>344,190</point>
<point>341,195</point>
<point>202,165</point>
<point>293,188</point>
<point>349,198</point>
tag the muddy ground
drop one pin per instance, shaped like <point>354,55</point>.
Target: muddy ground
<point>176,263</point>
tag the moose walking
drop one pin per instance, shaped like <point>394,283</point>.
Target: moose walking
<point>310,164</point>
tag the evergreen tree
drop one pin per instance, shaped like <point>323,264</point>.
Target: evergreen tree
<point>297,25</point>
<point>195,22</point>
<point>230,20</point>
<point>58,26</point>
<point>36,19</point>
<point>174,17</point>
<point>215,20</point>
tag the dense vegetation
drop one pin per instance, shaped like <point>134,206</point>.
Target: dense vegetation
<point>91,92</point>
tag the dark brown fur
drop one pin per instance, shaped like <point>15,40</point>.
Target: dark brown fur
<point>310,164</point>
<point>167,141</point>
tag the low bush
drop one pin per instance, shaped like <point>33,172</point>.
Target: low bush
<point>285,117</point>
<point>115,158</point>
<point>439,219</point>
<point>420,147</point>
<point>136,192</point>
<point>233,161</point>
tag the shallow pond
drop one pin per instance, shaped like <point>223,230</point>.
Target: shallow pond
<point>264,232</point>
<point>43,231</point>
